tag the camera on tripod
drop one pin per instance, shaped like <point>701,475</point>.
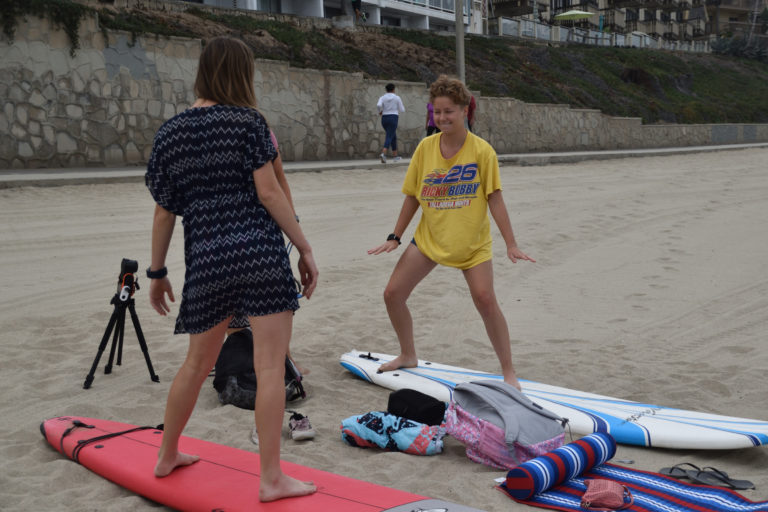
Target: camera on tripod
<point>127,284</point>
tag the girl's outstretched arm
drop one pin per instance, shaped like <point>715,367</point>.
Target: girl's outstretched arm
<point>410,206</point>
<point>162,230</point>
<point>501,217</point>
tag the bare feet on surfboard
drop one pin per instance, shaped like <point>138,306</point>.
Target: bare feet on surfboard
<point>284,487</point>
<point>400,361</point>
<point>166,467</point>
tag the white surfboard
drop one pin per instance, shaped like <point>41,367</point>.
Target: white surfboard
<point>628,422</point>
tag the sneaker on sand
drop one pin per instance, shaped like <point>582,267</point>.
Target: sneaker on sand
<point>396,159</point>
<point>300,428</point>
<point>255,436</point>
<point>383,158</point>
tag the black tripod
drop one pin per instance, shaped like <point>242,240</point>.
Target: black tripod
<point>122,300</point>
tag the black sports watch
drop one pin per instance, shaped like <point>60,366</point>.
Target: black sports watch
<point>394,237</point>
<point>157,274</point>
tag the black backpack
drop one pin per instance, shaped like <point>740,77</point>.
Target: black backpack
<point>417,406</point>
<point>235,378</point>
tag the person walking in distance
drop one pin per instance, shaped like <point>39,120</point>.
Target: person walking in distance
<point>431,126</point>
<point>390,107</point>
<point>213,165</point>
<point>357,5</point>
<point>454,178</point>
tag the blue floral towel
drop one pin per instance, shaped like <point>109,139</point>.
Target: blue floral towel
<point>393,433</point>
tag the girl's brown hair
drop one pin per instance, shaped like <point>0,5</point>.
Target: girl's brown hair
<point>451,88</point>
<point>225,73</point>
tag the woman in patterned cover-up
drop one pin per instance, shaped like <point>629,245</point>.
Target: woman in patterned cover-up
<point>212,165</point>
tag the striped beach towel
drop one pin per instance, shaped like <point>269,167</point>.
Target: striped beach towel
<point>556,481</point>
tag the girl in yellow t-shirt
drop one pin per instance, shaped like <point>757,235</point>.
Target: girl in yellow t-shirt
<point>454,177</point>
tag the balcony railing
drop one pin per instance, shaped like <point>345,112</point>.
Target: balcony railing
<point>649,27</point>
<point>737,27</point>
<point>685,31</point>
<point>527,29</point>
<point>512,8</point>
<point>582,4</point>
<point>668,30</point>
<point>651,4</point>
<point>739,5</point>
<point>614,20</point>
<point>440,5</point>
<point>621,4</point>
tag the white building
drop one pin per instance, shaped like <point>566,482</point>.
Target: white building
<point>420,14</point>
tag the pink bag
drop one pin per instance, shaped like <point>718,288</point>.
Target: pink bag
<point>485,441</point>
<point>606,495</point>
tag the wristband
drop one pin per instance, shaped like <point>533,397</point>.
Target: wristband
<point>394,237</point>
<point>157,274</point>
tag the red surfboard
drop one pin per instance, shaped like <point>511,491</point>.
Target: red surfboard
<point>225,479</point>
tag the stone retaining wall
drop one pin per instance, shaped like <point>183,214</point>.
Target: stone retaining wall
<point>103,106</point>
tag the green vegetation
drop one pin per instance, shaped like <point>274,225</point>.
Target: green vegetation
<point>67,15</point>
<point>139,23</point>
<point>728,86</point>
<point>287,34</point>
<point>427,40</point>
<point>658,86</point>
<point>62,13</point>
<point>737,47</point>
<point>293,40</point>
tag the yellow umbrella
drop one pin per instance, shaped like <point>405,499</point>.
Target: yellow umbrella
<point>574,14</point>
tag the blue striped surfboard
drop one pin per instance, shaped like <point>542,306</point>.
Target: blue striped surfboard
<point>628,422</point>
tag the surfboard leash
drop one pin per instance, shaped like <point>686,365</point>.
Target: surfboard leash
<point>75,424</point>
<point>82,443</point>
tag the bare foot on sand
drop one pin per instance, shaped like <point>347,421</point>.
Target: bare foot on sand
<point>284,487</point>
<point>164,468</point>
<point>400,361</point>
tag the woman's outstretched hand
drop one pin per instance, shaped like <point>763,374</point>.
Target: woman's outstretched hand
<point>388,246</point>
<point>514,253</point>
<point>158,289</point>
<point>308,273</point>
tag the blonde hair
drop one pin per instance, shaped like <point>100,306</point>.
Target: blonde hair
<point>452,88</point>
<point>225,73</point>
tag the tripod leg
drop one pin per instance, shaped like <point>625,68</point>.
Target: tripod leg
<point>119,328</point>
<point>120,338</point>
<point>102,346</point>
<point>142,342</point>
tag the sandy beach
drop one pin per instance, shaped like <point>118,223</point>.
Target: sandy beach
<point>651,284</point>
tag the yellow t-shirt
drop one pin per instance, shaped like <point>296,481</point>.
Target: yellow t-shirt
<point>454,229</point>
